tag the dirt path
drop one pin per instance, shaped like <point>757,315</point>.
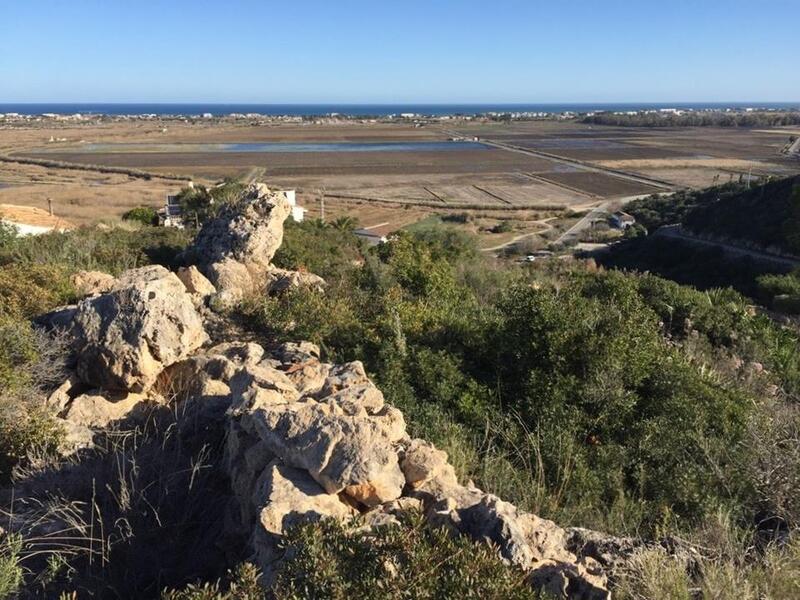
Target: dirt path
<point>545,223</point>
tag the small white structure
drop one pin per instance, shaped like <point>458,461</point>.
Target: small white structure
<point>298,212</point>
<point>172,213</point>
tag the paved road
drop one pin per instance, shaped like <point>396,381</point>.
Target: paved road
<point>675,232</point>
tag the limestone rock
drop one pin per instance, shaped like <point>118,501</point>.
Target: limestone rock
<point>98,411</point>
<point>90,283</point>
<point>76,437</point>
<point>423,464</point>
<point>58,400</point>
<point>289,497</point>
<point>125,338</point>
<point>279,281</point>
<point>234,250</point>
<point>241,353</point>
<point>346,453</point>
<point>195,282</point>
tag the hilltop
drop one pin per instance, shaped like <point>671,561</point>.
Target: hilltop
<point>278,410</point>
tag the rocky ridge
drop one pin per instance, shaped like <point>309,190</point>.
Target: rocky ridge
<point>306,439</point>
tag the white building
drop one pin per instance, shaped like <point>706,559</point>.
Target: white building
<point>298,212</point>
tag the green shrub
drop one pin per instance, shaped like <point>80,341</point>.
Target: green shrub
<point>329,251</point>
<point>29,290</point>
<point>331,560</point>
<point>10,569</point>
<point>8,234</point>
<point>242,584</point>
<point>92,248</point>
<point>25,429</point>
<point>18,352</point>
<point>146,215</point>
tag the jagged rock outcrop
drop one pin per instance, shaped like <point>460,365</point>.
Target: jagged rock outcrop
<point>338,439</point>
<point>289,497</point>
<point>234,249</point>
<point>124,339</point>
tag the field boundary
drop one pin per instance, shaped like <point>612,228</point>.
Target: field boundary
<point>58,164</point>
<point>448,206</point>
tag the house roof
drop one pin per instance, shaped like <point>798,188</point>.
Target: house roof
<point>33,216</point>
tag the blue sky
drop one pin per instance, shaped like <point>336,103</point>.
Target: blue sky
<point>434,51</point>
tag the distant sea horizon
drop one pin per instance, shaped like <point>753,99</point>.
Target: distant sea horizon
<point>366,110</point>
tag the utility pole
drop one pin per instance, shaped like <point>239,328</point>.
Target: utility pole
<point>322,204</point>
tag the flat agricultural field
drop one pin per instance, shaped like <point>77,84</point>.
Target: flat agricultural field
<point>401,172</point>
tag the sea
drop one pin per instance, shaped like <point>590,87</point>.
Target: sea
<point>367,110</point>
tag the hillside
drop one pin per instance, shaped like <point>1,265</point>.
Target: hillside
<point>762,218</point>
<point>767,216</point>
<point>283,412</point>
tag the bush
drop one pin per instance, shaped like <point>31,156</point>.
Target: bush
<point>331,560</point>
<point>242,584</point>
<point>29,364</point>
<point>29,290</point>
<point>93,248</point>
<point>10,569</point>
<point>146,215</point>
<point>316,247</point>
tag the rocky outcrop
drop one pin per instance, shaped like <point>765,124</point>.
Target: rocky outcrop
<point>96,410</point>
<point>125,338</point>
<point>306,439</point>
<point>234,249</point>
<point>320,437</point>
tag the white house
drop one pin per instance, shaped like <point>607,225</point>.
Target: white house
<point>298,212</point>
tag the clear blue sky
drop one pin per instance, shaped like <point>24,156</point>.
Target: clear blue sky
<point>411,51</point>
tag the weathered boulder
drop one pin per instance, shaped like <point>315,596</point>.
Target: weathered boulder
<point>423,464</point>
<point>345,440</point>
<point>535,545</point>
<point>97,410</point>
<point>59,398</point>
<point>90,283</point>
<point>288,497</point>
<point>195,282</point>
<point>281,280</point>
<point>234,250</point>
<point>125,338</point>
